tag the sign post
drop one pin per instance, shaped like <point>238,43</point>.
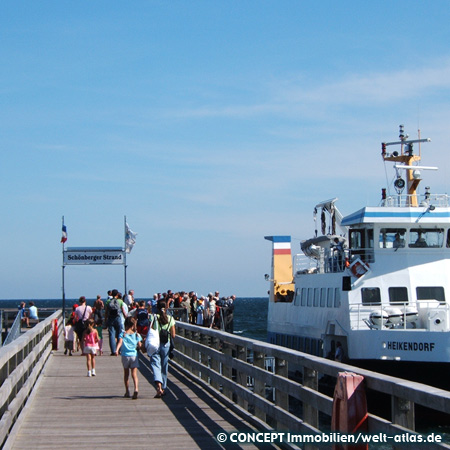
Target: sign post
<point>96,256</point>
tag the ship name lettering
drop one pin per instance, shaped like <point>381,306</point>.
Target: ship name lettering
<point>411,346</point>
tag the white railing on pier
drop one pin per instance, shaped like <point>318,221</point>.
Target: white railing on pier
<point>21,363</point>
<point>236,370</point>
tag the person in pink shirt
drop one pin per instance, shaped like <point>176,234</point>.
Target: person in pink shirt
<point>90,346</point>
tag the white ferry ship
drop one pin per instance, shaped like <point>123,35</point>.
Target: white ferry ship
<point>375,283</point>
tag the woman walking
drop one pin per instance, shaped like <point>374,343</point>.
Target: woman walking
<point>159,361</point>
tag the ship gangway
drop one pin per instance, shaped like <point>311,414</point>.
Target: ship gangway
<point>218,383</point>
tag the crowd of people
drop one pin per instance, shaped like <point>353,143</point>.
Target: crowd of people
<point>128,322</point>
<point>201,310</point>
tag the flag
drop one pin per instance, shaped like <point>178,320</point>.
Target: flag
<point>64,234</point>
<point>130,238</point>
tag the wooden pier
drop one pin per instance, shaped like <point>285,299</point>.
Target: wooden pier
<point>217,383</point>
<point>69,410</point>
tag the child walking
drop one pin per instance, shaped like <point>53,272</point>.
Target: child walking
<point>90,346</point>
<point>69,337</point>
<point>99,328</point>
<point>129,342</point>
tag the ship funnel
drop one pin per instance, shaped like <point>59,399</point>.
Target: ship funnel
<point>281,281</point>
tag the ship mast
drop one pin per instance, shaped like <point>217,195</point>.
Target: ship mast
<point>405,159</point>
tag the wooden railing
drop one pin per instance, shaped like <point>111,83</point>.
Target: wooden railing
<point>21,363</point>
<point>252,376</point>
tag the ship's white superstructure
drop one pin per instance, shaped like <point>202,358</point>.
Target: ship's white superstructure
<point>375,283</point>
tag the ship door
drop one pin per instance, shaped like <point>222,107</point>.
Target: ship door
<point>331,345</point>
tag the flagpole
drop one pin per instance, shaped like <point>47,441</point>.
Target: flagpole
<point>63,285</point>
<point>125,254</point>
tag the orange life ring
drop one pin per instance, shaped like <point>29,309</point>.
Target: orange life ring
<point>359,268</point>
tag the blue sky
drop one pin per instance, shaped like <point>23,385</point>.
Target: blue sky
<point>208,124</point>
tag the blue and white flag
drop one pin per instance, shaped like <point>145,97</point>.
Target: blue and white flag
<point>130,238</point>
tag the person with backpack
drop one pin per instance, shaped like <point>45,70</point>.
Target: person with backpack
<point>142,320</point>
<point>82,314</point>
<point>159,361</point>
<point>114,311</point>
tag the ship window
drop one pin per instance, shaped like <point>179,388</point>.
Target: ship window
<point>398,295</point>
<point>370,296</point>
<point>316,296</point>
<point>448,238</point>
<point>323,297</point>
<point>370,238</point>
<point>430,293</point>
<point>310,296</point>
<point>356,239</point>
<point>304,296</point>
<point>337,298</point>
<point>426,237</point>
<point>392,237</point>
<point>298,295</point>
<point>330,297</point>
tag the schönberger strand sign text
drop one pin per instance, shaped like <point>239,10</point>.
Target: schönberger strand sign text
<point>94,255</point>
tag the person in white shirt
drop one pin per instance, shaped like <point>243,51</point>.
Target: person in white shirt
<point>129,298</point>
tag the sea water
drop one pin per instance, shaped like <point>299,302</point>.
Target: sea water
<point>250,313</point>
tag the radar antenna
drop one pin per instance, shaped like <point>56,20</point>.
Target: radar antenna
<point>405,160</point>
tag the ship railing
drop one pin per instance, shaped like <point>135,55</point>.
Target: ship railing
<point>305,264</point>
<point>365,254</point>
<point>430,315</point>
<point>330,260</point>
<point>406,200</point>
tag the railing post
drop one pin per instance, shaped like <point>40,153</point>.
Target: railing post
<point>403,412</point>
<point>311,380</point>
<point>196,355</point>
<point>227,371</point>
<point>281,398</point>
<point>204,340</point>
<point>241,377</point>
<point>182,348</point>
<point>215,365</point>
<point>260,386</point>
<point>188,349</point>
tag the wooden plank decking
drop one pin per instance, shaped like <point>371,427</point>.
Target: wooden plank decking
<point>69,410</point>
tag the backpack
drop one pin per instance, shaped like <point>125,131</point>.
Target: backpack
<point>113,308</point>
<point>142,318</point>
<point>164,333</point>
